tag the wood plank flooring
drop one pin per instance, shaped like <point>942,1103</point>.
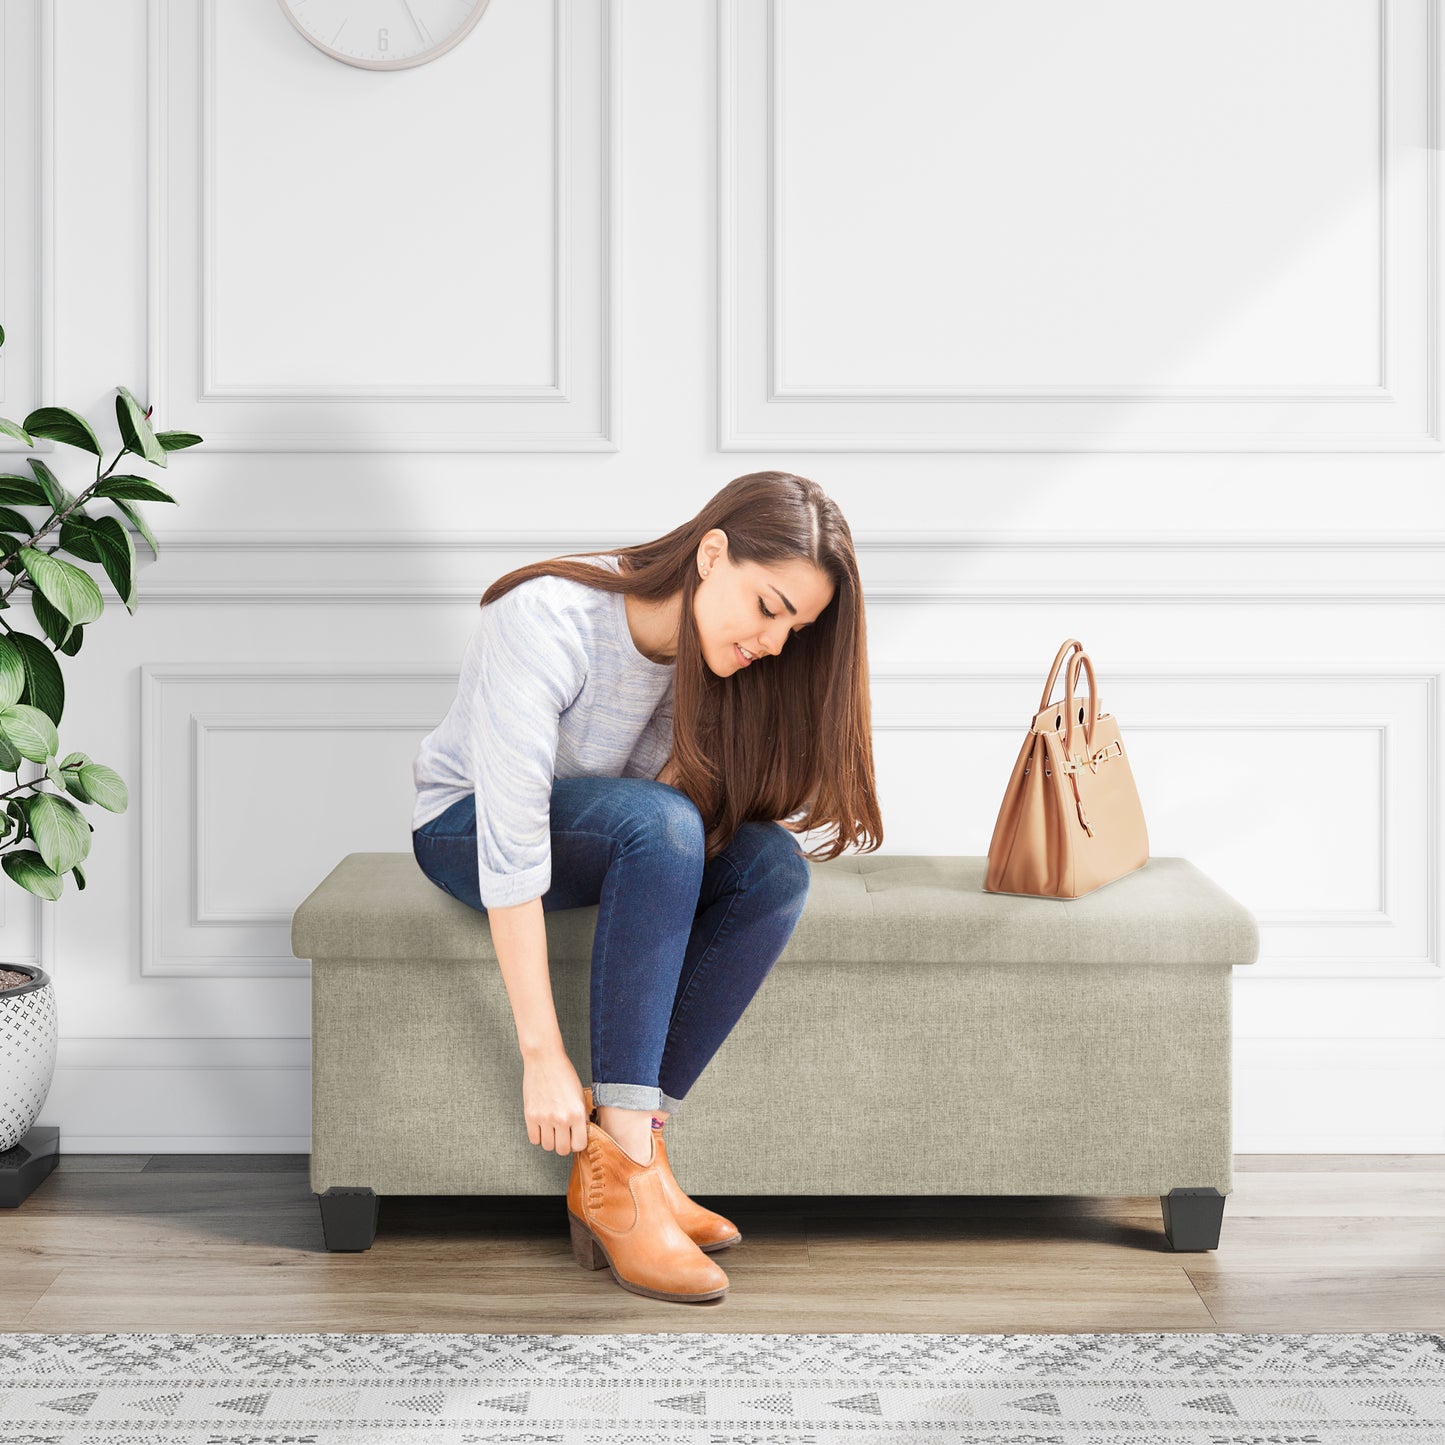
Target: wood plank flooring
<point>233,1244</point>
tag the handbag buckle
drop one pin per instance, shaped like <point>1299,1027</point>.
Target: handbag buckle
<point>1112,749</point>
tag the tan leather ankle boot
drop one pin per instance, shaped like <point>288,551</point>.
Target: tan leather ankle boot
<point>707,1230</point>
<point>620,1220</point>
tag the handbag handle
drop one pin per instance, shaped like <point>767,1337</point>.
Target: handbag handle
<point>1080,662</point>
<point>1054,670</point>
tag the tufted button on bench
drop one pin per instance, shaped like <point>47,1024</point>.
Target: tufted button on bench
<point>916,1036</point>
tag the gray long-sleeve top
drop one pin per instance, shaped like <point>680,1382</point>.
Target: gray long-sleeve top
<point>552,686</point>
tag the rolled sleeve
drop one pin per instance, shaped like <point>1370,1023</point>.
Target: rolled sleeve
<point>529,667</point>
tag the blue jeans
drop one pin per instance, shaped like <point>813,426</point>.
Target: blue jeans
<point>680,947</point>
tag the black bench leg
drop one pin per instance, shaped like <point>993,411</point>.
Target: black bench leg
<point>1192,1217</point>
<point>348,1217</point>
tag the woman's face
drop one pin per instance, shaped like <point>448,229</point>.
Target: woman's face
<point>734,600</point>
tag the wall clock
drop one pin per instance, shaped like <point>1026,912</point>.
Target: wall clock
<point>383,34</point>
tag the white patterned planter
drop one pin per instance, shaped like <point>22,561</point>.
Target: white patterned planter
<point>27,1051</point>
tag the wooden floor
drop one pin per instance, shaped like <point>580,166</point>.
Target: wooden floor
<point>233,1244</point>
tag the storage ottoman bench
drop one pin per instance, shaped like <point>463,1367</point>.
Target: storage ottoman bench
<point>916,1036</point>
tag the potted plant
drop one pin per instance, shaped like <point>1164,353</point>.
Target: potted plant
<point>43,834</point>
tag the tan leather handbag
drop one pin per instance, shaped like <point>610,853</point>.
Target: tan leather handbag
<point>1071,819</point>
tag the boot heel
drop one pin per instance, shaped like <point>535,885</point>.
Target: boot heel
<point>585,1249</point>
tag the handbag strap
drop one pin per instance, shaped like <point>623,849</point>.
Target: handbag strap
<point>1081,661</point>
<point>1054,670</point>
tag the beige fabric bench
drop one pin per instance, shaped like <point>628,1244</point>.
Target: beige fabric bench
<point>917,1036</point>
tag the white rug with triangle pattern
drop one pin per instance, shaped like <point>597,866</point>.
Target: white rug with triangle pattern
<point>723,1389</point>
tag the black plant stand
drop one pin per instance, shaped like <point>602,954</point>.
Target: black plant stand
<point>1192,1217</point>
<point>23,1167</point>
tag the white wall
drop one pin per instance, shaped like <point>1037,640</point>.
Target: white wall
<point>1118,321</point>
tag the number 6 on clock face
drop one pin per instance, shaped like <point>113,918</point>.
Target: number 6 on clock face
<point>383,34</point>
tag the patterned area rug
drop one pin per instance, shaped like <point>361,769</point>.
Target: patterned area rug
<point>723,1389</point>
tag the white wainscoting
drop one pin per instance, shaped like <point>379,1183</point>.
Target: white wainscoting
<point>1210,233</point>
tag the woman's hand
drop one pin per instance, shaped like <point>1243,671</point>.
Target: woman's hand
<point>552,1102</point>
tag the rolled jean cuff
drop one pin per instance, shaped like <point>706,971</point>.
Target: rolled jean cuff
<point>633,1096</point>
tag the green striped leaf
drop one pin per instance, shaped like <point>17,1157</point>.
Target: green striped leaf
<point>26,867</point>
<point>70,781</point>
<point>117,556</point>
<point>12,672</point>
<point>24,490</point>
<point>105,786</point>
<point>135,430</point>
<point>13,521</point>
<point>44,685</point>
<point>70,591</point>
<point>139,523</point>
<point>76,537</point>
<point>62,425</point>
<point>29,731</point>
<point>134,489</point>
<point>56,497</point>
<point>52,622</point>
<point>61,834</point>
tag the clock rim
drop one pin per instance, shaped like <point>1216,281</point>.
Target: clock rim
<point>464,30</point>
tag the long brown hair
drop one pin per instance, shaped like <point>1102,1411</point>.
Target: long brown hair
<point>764,741</point>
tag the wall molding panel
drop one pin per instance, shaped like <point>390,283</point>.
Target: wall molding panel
<point>764,404</point>
<point>182,930</point>
<point>208,906</point>
<point>196,384</point>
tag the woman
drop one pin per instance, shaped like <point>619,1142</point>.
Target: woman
<point>643,730</point>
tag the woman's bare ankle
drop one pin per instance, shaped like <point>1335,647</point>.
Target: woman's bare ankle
<point>632,1128</point>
